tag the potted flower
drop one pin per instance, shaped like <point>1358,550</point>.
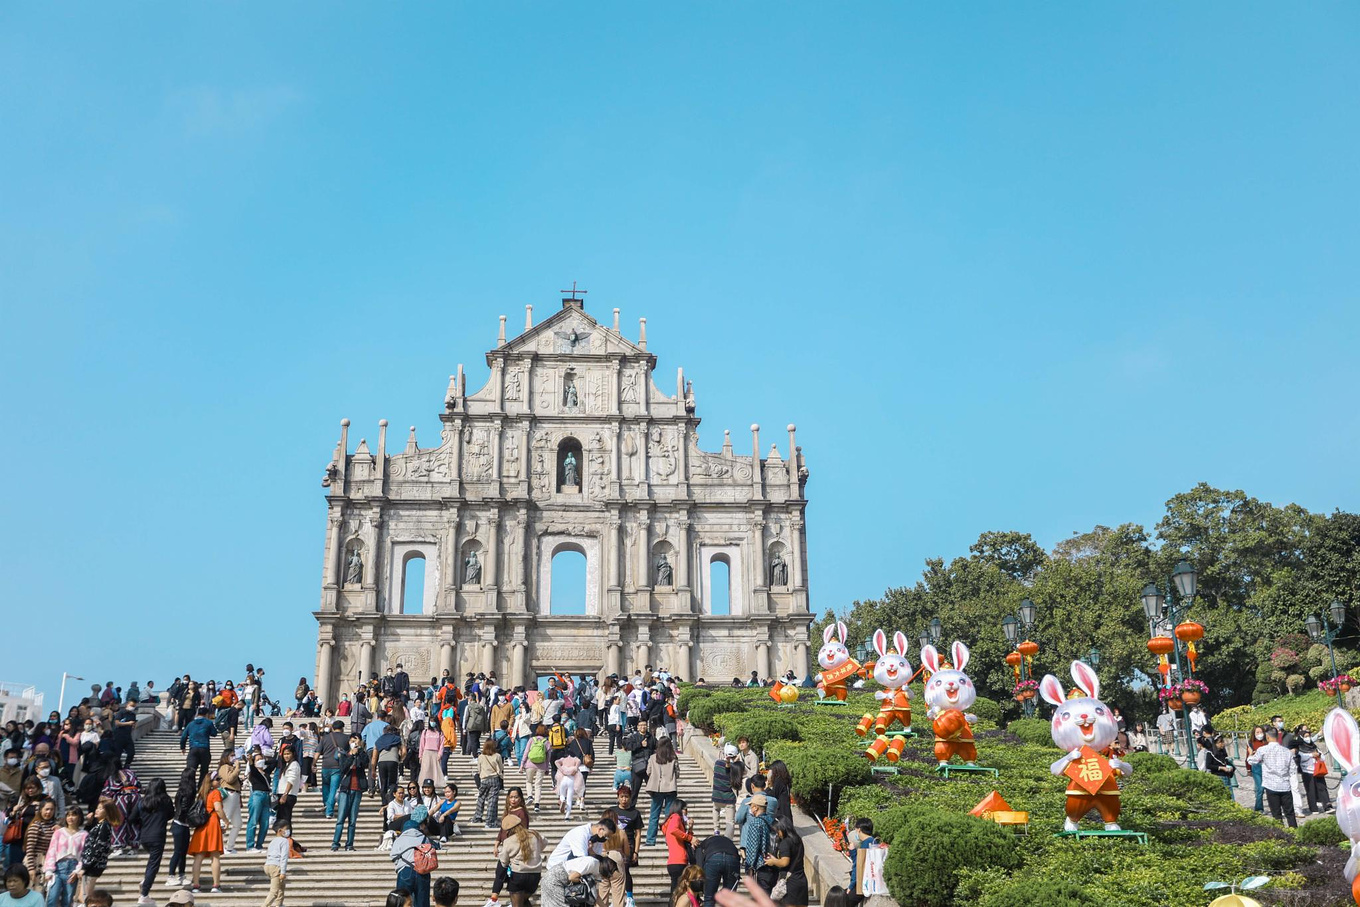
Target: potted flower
<point>1026,689</point>
<point>1192,691</point>
<point>1328,686</point>
<point>1344,682</point>
<point>1170,696</point>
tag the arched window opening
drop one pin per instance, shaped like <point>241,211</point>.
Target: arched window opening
<point>568,579</point>
<point>720,585</point>
<point>413,584</point>
<point>570,466</point>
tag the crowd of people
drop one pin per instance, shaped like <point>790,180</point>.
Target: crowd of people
<point>72,800</point>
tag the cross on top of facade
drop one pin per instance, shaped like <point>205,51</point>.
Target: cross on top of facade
<point>572,293</point>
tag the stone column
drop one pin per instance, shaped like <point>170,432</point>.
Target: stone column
<point>488,656</point>
<point>763,659</point>
<point>336,533</point>
<point>614,657</point>
<point>611,547</point>
<point>756,477</point>
<point>800,658</point>
<point>796,553</point>
<point>446,657</point>
<point>324,666</point>
<point>682,554</point>
<point>491,569</point>
<point>642,654</point>
<point>683,668</point>
<point>517,653</point>
<point>644,552</point>
<point>365,661</point>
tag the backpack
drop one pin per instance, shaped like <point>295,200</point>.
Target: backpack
<point>538,750</point>
<point>557,736</point>
<point>425,859</point>
<point>477,718</point>
<point>580,894</point>
<point>197,816</point>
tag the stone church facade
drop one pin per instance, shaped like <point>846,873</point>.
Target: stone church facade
<point>569,446</point>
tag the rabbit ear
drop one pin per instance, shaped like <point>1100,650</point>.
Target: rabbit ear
<point>960,655</point>
<point>930,658</point>
<point>843,631</point>
<point>880,642</point>
<point>900,640</point>
<point>1051,690</point>
<point>1343,738</point>
<point>1086,678</point>
<point>827,633</point>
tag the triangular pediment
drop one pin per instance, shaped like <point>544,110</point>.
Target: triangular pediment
<point>571,331</point>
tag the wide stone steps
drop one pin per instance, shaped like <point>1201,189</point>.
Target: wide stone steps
<point>366,875</point>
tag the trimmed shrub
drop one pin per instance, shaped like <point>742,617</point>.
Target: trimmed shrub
<point>813,767</point>
<point>762,727</point>
<point>1031,891</point>
<point>703,711</point>
<point>689,696</point>
<point>1145,764</point>
<point>1032,730</point>
<point>928,851</point>
<point>1185,784</point>
<point>987,710</point>
<point>1321,832</point>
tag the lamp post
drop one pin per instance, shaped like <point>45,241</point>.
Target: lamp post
<point>936,630</point>
<point>1167,610</point>
<point>1093,658</point>
<point>1017,630</point>
<point>1326,632</point>
<point>61,697</point>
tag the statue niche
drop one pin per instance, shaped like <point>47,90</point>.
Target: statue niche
<point>570,466</point>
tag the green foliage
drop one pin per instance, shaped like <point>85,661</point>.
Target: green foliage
<point>1146,764</point>
<point>1030,891</point>
<point>926,854</point>
<point>1032,730</point>
<point>987,710</point>
<point>689,695</point>
<point>702,712</point>
<point>1323,831</point>
<point>814,767</point>
<point>1188,785</point>
<point>760,726</point>
<point>1308,708</point>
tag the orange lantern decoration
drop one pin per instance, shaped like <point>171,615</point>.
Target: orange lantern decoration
<point>1013,659</point>
<point>1190,633</point>
<point>1162,646</point>
<point>1028,648</point>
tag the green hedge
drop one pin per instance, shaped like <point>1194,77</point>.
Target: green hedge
<point>926,854</point>
<point>1145,764</point>
<point>760,726</point>
<point>1032,730</point>
<point>702,713</point>
<point>1031,892</point>
<point>1323,831</point>
<point>986,710</point>
<point>1189,785</point>
<point>689,695</point>
<point>815,766</point>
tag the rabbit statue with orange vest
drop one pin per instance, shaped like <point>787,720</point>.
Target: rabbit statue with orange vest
<point>1343,742</point>
<point>1079,722</point>
<point>836,664</point>
<point>949,692</point>
<point>893,673</point>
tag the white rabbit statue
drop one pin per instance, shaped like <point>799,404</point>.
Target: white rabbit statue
<point>949,692</point>
<point>1085,721</point>
<point>836,663</point>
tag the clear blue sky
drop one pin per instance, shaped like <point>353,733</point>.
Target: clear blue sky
<point>1007,266</point>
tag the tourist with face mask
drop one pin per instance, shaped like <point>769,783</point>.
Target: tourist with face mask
<point>11,777</point>
<point>581,841</point>
<point>1255,741</point>
<point>51,782</point>
<point>1310,762</point>
<point>125,791</point>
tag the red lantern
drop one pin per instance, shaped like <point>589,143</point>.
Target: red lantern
<point>1028,649</point>
<point>1161,645</point>
<point>1013,659</point>
<point>1189,632</point>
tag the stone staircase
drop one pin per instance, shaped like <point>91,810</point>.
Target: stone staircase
<point>365,876</point>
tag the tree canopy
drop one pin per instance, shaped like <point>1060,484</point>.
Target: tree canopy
<point>1262,570</point>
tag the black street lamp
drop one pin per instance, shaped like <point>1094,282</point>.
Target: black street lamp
<point>1017,632</point>
<point>1093,658</point>
<point>924,639</point>
<point>1327,631</point>
<point>1163,613</point>
<point>936,630</point>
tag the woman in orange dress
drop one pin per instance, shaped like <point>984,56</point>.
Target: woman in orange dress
<point>207,838</point>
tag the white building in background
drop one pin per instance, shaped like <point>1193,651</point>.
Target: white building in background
<point>20,702</point>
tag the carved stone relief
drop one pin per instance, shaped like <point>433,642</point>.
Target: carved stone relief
<point>514,385</point>
<point>511,463</point>
<point>629,450</point>
<point>661,455</point>
<point>477,461</point>
<point>722,662</point>
<point>552,654</point>
<point>629,394</point>
<point>415,662</point>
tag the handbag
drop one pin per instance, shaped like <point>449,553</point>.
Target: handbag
<point>1319,768</point>
<point>780,889</point>
<point>197,816</point>
<point>580,894</point>
<point>14,832</point>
